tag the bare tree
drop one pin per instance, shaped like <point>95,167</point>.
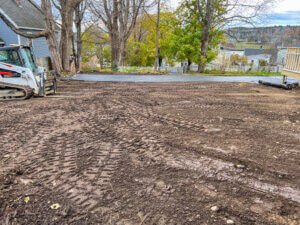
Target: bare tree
<point>67,13</point>
<point>80,10</point>
<point>206,14</point>
<point>51,36</point>
<point>119,18</point>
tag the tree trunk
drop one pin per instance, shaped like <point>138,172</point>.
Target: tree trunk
<point>115,49</point>
<point>79,50</point>
<point>51,37</point>
<point>79,13</point>
<point>67,14</point>
<point>188,69</point>
<point>122,53</point>
<point>100,58</point>
<point>120,18</point>
<point>207,26</point>
<point>203,54</point>
<point>115,52</point>
<point>157,61</point>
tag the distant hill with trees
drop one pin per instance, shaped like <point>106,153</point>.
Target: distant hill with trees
<point>285,36</point>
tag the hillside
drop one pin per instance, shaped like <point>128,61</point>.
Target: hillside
<point>278,35</point>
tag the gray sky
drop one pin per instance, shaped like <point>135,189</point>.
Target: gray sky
<point>285,12</point>
<point>280,6</point>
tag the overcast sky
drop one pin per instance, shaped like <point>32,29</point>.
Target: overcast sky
<point>285,12</point>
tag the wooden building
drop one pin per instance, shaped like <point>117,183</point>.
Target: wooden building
<point>292,65</point>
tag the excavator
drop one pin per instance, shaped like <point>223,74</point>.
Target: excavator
<point>20,76</point>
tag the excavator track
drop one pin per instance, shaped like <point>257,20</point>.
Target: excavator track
<point>9,92</point>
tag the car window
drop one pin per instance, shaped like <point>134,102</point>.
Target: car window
<point>10,56</point>
<point>28,59</point>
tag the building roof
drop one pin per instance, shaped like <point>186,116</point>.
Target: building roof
<point>23,14</point>
<point>252,51</point>
<point>231,49</point>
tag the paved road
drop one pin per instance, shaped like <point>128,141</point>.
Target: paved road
<point>171,78</point>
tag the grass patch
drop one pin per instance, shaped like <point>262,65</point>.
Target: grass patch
<point>151,71</point>
<point>244,45</point>
<point>122,70</point>
<point>249,73</point>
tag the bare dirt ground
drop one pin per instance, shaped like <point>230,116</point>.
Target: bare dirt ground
<point>152,154</point>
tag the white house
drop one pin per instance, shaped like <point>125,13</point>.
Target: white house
<point>225,54</point>
<point>256,55</point>
<point>255,59</point>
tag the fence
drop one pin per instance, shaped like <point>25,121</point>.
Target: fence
<point>292,67</point>
<point>241,68</point>
<point>209,67</point>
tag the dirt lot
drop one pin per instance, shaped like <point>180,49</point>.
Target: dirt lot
<point>152,154</point>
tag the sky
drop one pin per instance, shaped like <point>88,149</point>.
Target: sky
<point>284,12</point>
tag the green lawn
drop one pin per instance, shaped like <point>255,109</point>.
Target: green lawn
<point>222,73</point>
<point>145,71</point>
<point>243,45</point>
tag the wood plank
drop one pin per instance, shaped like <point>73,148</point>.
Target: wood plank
<point>291,74</point>
<point>292,67</point>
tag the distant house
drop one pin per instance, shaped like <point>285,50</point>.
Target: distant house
<point>254,56</point>
<point>231,51</point>
<point>225,54</point>
<point>26,16</point>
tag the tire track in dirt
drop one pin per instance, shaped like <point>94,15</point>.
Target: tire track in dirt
<point>209,167</point>
<point>142,142</point>
<point>55,154</point>
<point>80,153</point>
<point>148,113</point>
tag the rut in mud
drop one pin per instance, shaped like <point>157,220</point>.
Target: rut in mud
<point>152,154</point>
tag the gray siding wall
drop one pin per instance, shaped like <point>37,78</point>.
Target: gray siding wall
<point>8,36</point>
<point>39,46</point>
<point>24,41</point>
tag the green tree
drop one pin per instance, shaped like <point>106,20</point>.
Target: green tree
<point>237,60</point>
<point>95,43</point>
<point>140,46</point>
<point>188,36</point>
<point>214,15</point>
<point>142,43</point>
